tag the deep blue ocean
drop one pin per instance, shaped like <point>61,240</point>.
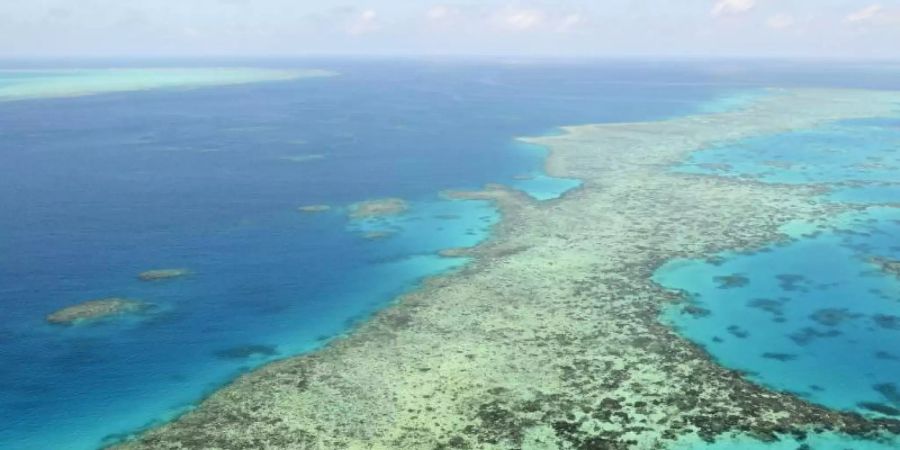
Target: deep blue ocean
<point>95,190</point>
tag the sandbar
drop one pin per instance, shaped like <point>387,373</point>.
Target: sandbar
<point>38,84</point>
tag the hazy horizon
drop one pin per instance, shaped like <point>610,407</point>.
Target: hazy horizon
<point>691,29</point>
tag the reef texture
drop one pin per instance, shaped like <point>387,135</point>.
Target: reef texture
<point>456,252</point>
<point>377,234</point>
<point>94,309</point>
<point>888,265</point>
<point>550,338</point>
<point>378,208</point>
<point>162,274</point>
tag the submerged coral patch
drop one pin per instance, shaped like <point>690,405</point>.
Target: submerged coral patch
<point>832,317</point>
<point>162,274</point>
<point>95,309</point>
<point>312,209</point>
<point>731,281</point>
<point>378,208</point>
<point>887,322</point>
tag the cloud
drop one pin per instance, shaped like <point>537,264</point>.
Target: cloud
<point>780,21</point>
<point>522,19</point>
<point>570,23</point>
<point>874,14</point>
<point>439,12</point>
<point>732,7</point>
<point>364,22</point>
<point>538,20</point>
<point>866,14</point>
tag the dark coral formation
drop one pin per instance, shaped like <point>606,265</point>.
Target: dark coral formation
<point>731,281</point>
<point>886,321</point>
<point>888,265</point>
<point>791,282</point>
<point>783,357</point>
<point>832,317</point>
<point>808,334</point>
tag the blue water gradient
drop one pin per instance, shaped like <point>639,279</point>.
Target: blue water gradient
<point>97,189</point>
<point>862,151</point>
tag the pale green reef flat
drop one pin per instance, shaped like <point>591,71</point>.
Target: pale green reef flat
<point>550,338</point>
<point>36,84</point>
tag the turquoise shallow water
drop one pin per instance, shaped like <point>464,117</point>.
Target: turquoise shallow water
<point>815,315</point>
<point>865,151</point>
<point>536,183</point>
<point>812,441</point>
<point>872,193</point>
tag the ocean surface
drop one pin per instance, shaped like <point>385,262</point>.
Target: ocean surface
<point>97,189</point>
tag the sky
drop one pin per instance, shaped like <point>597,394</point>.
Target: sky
<point>564,28</point>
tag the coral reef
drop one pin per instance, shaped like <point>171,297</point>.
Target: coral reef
<point>377,234</point>
<point>378,208</point>
<point>162,274</point>
<point>887,265</point>
<point>94,309</point>
<point>550,337</point>
<point>455,252</point>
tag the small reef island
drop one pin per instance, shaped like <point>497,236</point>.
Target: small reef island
<point>550,338</point>
<point>378,208</point>
<point>162,274</point>
<point>94,309</point>
<point>377,234</point>
<point>312,209</point>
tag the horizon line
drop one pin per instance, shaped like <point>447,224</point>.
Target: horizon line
<point>460,56</point>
